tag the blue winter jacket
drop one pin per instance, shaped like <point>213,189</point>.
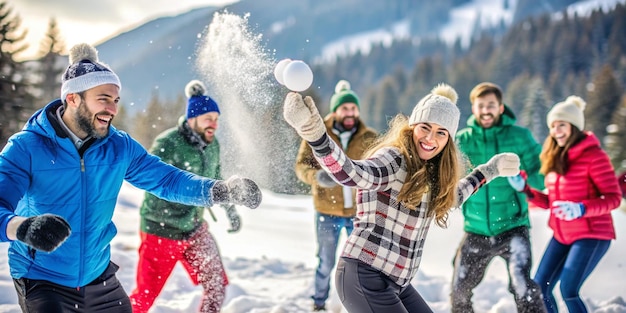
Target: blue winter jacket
<point>41,171</point>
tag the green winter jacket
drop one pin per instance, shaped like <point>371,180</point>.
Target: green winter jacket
<point>497,207</point>
<point>179,147</point>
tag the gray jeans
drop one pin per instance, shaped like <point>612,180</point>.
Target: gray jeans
<point>363,289</point>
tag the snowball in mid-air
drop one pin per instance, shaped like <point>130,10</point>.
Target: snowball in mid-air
<point>279,69</point>
<point>297,76</point>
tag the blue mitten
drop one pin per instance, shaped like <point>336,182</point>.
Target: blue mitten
<point>517,182</point>
<point>568,210</point>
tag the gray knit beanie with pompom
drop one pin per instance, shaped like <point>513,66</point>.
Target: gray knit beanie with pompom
<point>438,107</point>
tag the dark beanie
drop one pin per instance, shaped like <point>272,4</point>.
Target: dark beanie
<point>86,71</point>
<point>342,95</point>
<point>198,103</point>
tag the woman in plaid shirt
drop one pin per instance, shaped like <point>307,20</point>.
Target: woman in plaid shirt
<point>409,177</point>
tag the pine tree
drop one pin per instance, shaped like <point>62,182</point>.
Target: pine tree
<point>158,116</point>
<point>602,100</point>
<point>535,109</point>
<point>121,119</point>
<point>385,104</point>
<point>616,137</point>
<point>51,64</point>
<point>516,93</point>
<point>15,102</point>
<point>143,126</point>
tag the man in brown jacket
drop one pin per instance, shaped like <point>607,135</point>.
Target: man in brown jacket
<point>335,205</point>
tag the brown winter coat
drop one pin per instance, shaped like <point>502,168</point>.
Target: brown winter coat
<point>330,200</point>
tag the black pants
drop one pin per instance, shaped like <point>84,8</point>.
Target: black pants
<point>472,260</point>
<point>104,294</point>
<point>363,289</point>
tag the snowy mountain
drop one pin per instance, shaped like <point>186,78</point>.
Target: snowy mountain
<point>159,56</point>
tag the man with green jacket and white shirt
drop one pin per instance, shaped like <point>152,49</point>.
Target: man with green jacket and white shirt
<point>172,232</point>
<point>496,216</point>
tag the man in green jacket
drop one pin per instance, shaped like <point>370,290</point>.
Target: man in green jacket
<point>496,217</point>
<point>172,232</point>
<point>335,205</point>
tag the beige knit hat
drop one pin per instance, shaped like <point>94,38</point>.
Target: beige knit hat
<point>438,107</point>
<point>570,110</point>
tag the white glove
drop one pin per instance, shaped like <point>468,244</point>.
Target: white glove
<point>501,164</point>
<point>568,210</point>
<point>303,116</point>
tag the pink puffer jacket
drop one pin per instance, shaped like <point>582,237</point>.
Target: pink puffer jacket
<point>590,179</point>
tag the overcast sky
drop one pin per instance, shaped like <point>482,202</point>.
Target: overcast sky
<point>94,21</point>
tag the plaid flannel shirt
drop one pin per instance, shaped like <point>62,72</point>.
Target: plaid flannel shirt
<point>387,235</point>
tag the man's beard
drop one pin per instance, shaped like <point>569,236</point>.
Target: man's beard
<point>85,118</point>
<point>202,133</point>
<point>207,139</point>
<point>494,120</point>
<point>350,126</point>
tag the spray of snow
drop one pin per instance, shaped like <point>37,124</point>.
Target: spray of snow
<point>238,71</point>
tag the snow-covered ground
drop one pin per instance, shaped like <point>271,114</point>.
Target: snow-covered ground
<point>271,262</point>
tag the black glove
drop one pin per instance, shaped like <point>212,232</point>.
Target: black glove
<point>44,232</point>
<point>324,180</point>
<point>233,217</point>
<point>237,190</point>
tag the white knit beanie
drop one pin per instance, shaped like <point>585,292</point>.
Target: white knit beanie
<point>85,72</point>
<point>570,110</point>
<point>438,107</point>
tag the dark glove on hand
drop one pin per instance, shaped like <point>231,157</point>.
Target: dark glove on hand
<point>237,190</point>
<point>324,180</point>
<point>233,217</point>
<point>44,232</point>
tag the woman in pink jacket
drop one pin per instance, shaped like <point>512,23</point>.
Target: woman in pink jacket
<point>581,193</point>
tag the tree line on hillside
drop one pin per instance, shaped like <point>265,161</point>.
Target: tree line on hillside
<point>537,62</point>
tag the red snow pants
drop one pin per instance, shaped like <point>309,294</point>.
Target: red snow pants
<point>199,256</point>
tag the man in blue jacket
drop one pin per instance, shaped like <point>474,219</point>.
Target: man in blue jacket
<point>59,180</point>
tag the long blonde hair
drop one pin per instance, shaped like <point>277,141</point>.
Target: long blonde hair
<point>439,175</point>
